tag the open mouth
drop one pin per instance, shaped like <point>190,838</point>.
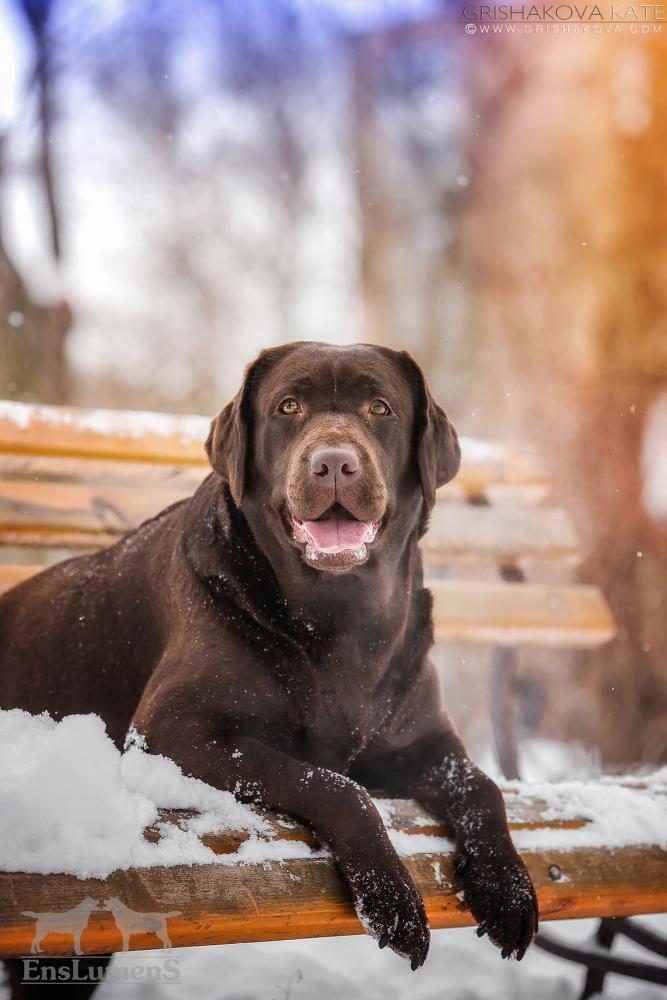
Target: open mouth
<point>334,532</point>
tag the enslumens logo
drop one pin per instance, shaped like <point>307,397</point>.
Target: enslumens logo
<point>74,921</point>
<point>93,969</point>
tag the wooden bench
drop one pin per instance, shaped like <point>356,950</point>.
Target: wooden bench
<point>73,481</point>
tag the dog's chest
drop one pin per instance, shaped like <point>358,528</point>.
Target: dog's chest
<point>345,709</point>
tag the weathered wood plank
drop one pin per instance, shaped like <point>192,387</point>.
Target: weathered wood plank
<point>61,508</point>
<point>489,612</point>
<point>466,533</point>
<point>302,899</point>
<point>523,813</point>
<point>124,435</point>
<point>136,436</point>
<point>10,575</point>
<point>67,542</point>
<point>64,514</point>
<point>218,904</point>
<point>520,613</point>
<point>73,469</point>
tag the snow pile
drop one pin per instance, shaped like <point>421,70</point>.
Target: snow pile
<point>189,428</point>
<point>126,423</point>
<point>618,814</point>
<point>71,802</point>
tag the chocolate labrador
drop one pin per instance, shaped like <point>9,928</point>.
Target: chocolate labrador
<point>271,634</point>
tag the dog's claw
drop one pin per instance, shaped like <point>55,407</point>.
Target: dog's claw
<point>392,909</point>
<point>501,897</point>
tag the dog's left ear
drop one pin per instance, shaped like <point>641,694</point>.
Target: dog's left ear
<point>438,449</point>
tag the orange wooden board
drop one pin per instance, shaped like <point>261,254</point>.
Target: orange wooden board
<point>69,513</point>
<point>222,903</point>
<point>136,436</point>
<point>488,611</point>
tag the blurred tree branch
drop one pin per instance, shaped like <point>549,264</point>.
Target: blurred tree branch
<point>32,341</point>
<point>37,13</point>
<point>32,347</point>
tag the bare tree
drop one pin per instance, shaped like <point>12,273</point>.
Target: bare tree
<point>566,242</point>
<point>32,347</point>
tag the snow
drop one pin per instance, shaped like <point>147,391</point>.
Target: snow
<point>125,423</point>
<point>71,802</point>
<point>476,451</point>
<point>187,428</point>
<point>617,815</point>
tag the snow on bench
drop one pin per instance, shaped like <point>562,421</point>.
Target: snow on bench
<point>87,823</point>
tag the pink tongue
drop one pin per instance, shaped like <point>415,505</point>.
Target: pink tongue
<point>334,534</point>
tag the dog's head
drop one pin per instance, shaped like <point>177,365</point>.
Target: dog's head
<point>331,443</point>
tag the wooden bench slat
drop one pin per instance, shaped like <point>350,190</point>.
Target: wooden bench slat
<point>219,904</point>
<point>523,813</point>
<point>125,435</point>
<point>12,574</point>
<point>129,435</point>
<point>520,613</point>
<point>80,508</point>
<point>489,612</point>
<point>466,533</point>
<point>66,513</point>
<point>222,904</point>
<point>101,471</point>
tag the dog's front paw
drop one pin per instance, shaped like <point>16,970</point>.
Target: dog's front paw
<point>391,910</point>
<point>500,895</point>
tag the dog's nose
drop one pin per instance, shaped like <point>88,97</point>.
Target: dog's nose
<point>334,463</point>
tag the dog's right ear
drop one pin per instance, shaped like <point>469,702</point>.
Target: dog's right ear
<point>227,442</point>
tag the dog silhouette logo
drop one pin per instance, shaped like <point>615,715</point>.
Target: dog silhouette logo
<point>131,922</point>
<point>75,921</point>
<point>72,922</point>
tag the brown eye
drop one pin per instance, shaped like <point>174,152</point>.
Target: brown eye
<point>379,408</point>
<point>289,406</point>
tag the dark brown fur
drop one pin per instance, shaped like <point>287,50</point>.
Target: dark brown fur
<point>297,685</point>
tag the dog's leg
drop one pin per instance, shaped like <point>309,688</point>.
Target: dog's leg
<point>496,884</point>
<point>340,811</point>
<point>437,772</point>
